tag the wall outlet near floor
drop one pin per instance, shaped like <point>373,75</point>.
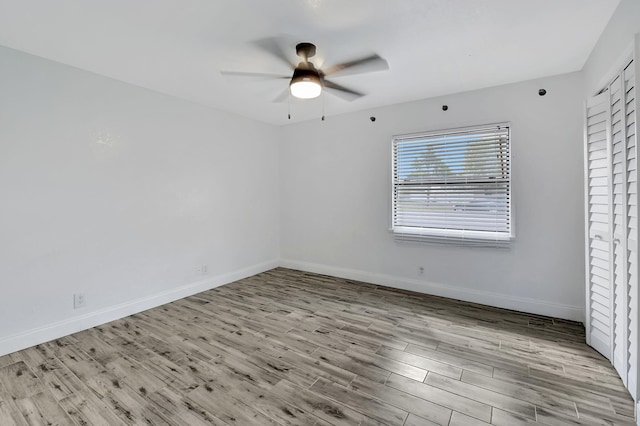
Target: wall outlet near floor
<point>79,301</point>
<point>202,270</point>
<point>420,270</point>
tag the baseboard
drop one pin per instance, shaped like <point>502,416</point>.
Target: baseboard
<point>72,325</point>
<point>533,306</point>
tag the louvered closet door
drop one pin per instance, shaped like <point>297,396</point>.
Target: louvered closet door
<point>619,226</point>
<point>630,135</point>
<point>612,225</point>
<point>599,218</point>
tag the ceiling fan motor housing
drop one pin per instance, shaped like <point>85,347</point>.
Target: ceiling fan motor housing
<point>305,71</point>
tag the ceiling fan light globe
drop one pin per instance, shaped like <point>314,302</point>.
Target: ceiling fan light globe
<point>305,88</point>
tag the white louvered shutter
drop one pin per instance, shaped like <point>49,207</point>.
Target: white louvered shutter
<point>619,225</point>
<point>598,221</point>
<point>630,119</point>
<point>612,225</point>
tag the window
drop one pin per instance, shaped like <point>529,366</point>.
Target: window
<point>453,186</point>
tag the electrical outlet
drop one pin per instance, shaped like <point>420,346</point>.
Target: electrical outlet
<point>420,270</point>
<point>202,270</point>
<point>79,301</point>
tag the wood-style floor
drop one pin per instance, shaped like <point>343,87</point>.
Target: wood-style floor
<point>292,348</point>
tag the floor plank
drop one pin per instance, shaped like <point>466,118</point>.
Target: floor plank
<point>442,397</point>
<point>489,397</point>
<point>372,407</point>
<point>521,392</point>
<point>426,410</point>
<point>450,359</point>
<point>458,419</point>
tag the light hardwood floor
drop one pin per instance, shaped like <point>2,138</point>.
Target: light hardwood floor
<point>293,348</point>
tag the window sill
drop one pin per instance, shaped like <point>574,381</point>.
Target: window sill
<point>449,237</point>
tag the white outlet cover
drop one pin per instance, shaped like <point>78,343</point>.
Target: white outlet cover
<point>79,300</point>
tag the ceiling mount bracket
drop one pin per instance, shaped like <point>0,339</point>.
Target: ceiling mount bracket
<point>306,50</point>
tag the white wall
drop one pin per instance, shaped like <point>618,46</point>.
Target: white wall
<point>613,47</point>
<point>119,192</point>
<point>335,198</point>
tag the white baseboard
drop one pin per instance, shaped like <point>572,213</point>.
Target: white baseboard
<point>72,325</point>
<point>533,306</point>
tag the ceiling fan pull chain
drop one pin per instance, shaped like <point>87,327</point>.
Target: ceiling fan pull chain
<point>323,105</point>
<point>289,105</point>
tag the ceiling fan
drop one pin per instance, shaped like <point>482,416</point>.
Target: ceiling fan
<point>307,81</point>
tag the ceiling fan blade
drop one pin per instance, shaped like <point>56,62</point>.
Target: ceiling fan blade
<point>282,96</point>
<point>342,92</point>
<point>254,74</point>
<point>273,45</point>
<point>369,64</point>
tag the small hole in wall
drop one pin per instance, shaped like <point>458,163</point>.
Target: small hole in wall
<point>445,107</point>
<point>542,92</point>
<point>372,118</point>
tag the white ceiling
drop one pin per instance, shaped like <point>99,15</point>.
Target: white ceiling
<point>434,47</point>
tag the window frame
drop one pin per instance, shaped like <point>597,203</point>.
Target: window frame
<point>453,236</point>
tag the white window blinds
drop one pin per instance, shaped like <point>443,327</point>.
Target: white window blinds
<point>453,186</point>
